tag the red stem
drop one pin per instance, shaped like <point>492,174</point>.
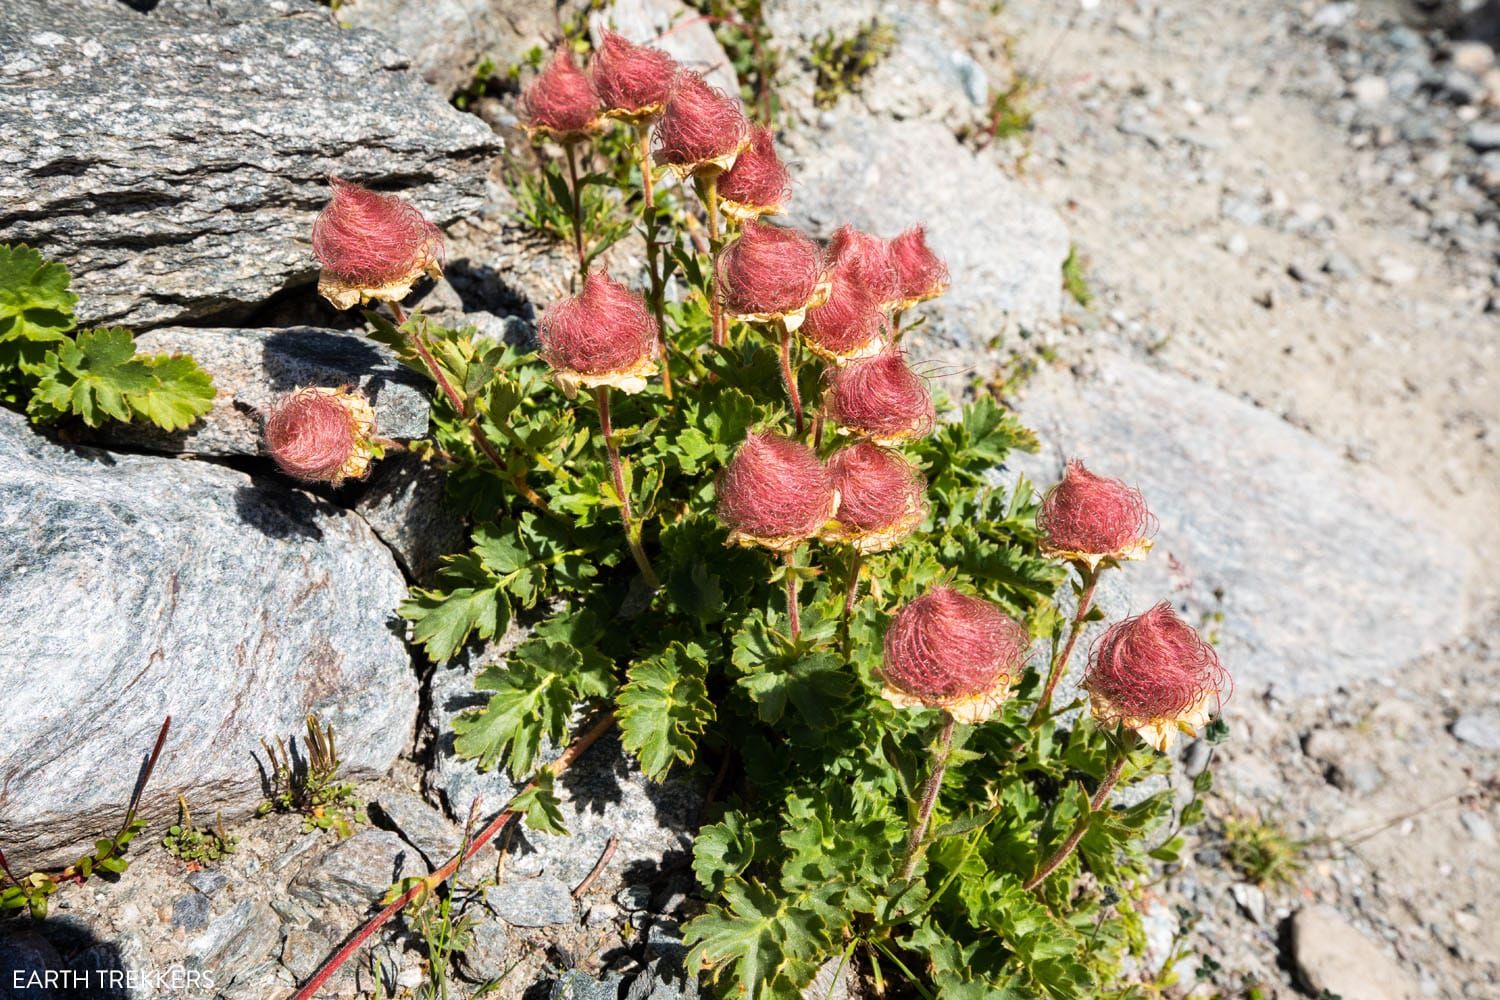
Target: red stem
<point>658,303</point>
<point>437,878</point>
<point>577,209</point>
<point>789,376</point>
<point>1079,829</point>
<point>793,612</point>
<point>632,530</point>
<point>1059,662</point>
<point>929,797</point>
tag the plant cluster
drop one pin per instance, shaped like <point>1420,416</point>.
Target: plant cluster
<point>51,369</point>
<point>840,64</point>
<point>195,844</point>
<point>308,783</point>
<point>734,525</point>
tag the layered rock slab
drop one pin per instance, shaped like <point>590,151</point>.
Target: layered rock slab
<point>175,159</point>
<point>133,588</point>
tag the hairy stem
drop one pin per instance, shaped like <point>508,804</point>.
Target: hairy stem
<point>1060,659</point>
<point>789,375</point>
<point>711,209</point>
<point>1081,827</point>
<point>437,878</point>
<point>653,263</point>
<point>577,208</point>
<point>929,798</point>
<point>632,529</point>
<point>851,595</point>
<point>793,612</point>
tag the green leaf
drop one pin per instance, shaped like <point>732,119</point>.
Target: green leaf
<point>723,850</point>
<point>532,699</point>
<point>99,375</point>
<point>442,622</point>
<point>36,307</point>
<point>664,707</point>
<point>761,945</point>
<point>817,686</point>
<point>540,806</point>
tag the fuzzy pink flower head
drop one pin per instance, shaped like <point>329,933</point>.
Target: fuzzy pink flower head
<point>372,246</point>
<point>632,81</point>
<point>1089,518</point>
<point>849,324</point>
<point>703,129</point>
<point>880,497</point>
<point>774,493</point>
<point>758,183</point>
<point>561,101</point>
<point>603,336</point>
<point>880,398</point>
<point>868,261</point>
<point>319,434</point>
<point>920,273</point>
<point>769,272</point>
<point>951,651</point>
<point>1156,675</point>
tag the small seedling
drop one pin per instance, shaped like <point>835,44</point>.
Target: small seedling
<point>310,785</point>
<point>841,64</point>
<point>1262,852</point>
<point>1074,282</point>
<point>197,845</point>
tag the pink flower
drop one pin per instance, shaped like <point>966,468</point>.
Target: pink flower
<point>561,101</point>
<point>880,398</point>
<point>1089,518</point>
<point>769,273</point>
<point>319,434</point>
<point>758,183</point>
<point>868,261</point>
<point>372,246</point>
<point>603,336</point>
<point>632,81</point>
<point>703,129</point>
<point>1154,674</point>
<point>920,273</point>
<point>880,498</point>
<point>949,651</point>
<point>774,493</point>
<point>849,323</point>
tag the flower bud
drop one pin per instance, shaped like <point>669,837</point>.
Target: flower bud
<point>702,130</point>
<point>868,261</point>
<point>373,247</point>
<point>320,434</point>
<point>880,398</point>
<point>849,323</point>
<point>632,81</point>
<point>774,493</point>
<point>561,101</point>
<point>953,652</point>
<point>603,336</point>
<point>920,273</point>
<point>1155,675</point>
<point>1089,518</point>
<point>881,498</point>
<point>770,274</point>
<point>758,183</point>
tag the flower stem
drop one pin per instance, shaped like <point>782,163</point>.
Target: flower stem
<point>929,798</point>
<point>658,303</point>
<point>856,566</point>
<point>710,191</point>
<point>793,612</point>
<point>577,208</point>
<point>1081,827</point>
<point>1060,659</point>
<point>632,529</point>
<point>789,375</point>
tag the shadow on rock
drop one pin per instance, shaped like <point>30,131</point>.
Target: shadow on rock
<point>279,514</point>
<point>60,959</point>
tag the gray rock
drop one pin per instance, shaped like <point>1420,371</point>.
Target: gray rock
<point>405,505</point>
<point>692,44</point>
<point>1480,728</point>
<point>190,911</point>
<point>634,898</point>
<point>253,368</point>
<point>238,943</point>
<point>1483,136</point>
<point>356,872</point>
<point>447,40</point>
<point>236,607</point>
<point>602,795</point>
<point>25,960</point>
<point>579,986</point>
<point>207,881</point>
<point>544,901</point>
<point>926,75</point>
<point>1259,522</point>
<point>421,826</point>
<point>175,159</point>
<point>1003,245</point>
<point>1332,956</point>
<point>488,955</point>
<point>831,982</point>
<point>305,949</point>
